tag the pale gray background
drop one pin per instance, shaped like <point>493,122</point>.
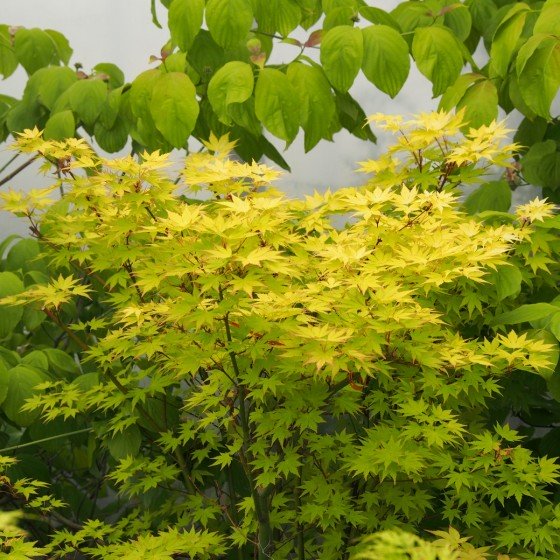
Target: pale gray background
<point>121,31</point>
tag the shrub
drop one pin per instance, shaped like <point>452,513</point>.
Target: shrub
<point>280,377</point>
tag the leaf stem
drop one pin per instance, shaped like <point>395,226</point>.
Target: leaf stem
<point>15,172</point>
<point>51,438</point>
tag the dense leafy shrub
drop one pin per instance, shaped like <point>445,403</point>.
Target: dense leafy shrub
<point>281,377</point>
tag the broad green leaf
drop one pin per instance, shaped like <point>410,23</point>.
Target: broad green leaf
<point>554,325</point>
<point>8,59</point>
<point>481,103</point>
<point>377,15</point>
<point>25,255</point>
<point>412,14</point>
<point>49,83</point>
<point>229,21</point>
<point>114,138</point>
<point>317,105</point>
<point>495,195</point>
<point>277,15</point>
<point>61,363</point>
<point>482,11</point>
<point>538,70</point>
<point>276,104</point>
<point>10,316</point>
<point>60,126</point>
<point>34,48</point>
<point>141,92</point>
<point>525,314</point>
<point>330,5</point>
<point>4,381</point>
<point>185,21</point>
<point>541,165</point>
<point>174,107</point>
<point>86,98</point>
<point>339,16</point>
<point>244,115</point>
<point>205,55</point>
<point>37,359</point>
<point>553,385</point>
<point>176,62</point>
<point>386,61</point>
<point>125,443</point>
<point>233,83</point>
<point>115,76</point>
<point>27,113</point>
<point>352,117</point>
<point>22,381</point>
<point>506,37</point>
<point>111,107</point>
<point>311,11</point>
<point>453,94</point>
<point>529,132</point>
<point>32,318</point>
<point>548,21</point>
<point>63,48</point>
<point>437,56</point>
<point>342,51</point>
<point>458,18</point>
<point>86,381</point>
<point>507,280</point>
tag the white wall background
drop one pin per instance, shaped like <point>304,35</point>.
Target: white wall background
<point>121,31</point>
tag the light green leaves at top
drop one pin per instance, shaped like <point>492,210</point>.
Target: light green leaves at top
<point>8,59</point>
<point>229,21</point>
<point>10,316</point>
<point>342,50</point>
<point>506,37</point>
<point>233,83</point>
<point>174,107</point>
<point>277,15</point>
<point>438,56</point>
<point>538,71</point>
<point>386,61</point>
<point>317,105</point>
<point>34,48</point>
<point>185,21</point>
<point>276,104</point>
<point>86,98</point>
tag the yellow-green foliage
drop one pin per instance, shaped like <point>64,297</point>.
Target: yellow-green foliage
<point>280,380</point>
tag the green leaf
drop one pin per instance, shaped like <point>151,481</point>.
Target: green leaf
<point>377,15</point>
<point>437,56</point>
<point>276,104</point>
<point>141,92</point>
<point>458,18</point>
<point>125,443</point>
<point>548,21</point>
<point>205,55</point>
<point>553,385</point>
<point>525,314</point>
<point>4,381</point>
<point>37,359</point>
<point>34,48</point>
<point>386,61</point>
<point>339,16</point>
<point>554,325</point>
<point>506,37</point>
<point>61,363</point>
<point>352,117</point>
<point>115,76</point>
<point>22,381</point>
<point>112,139</point>
<point>495,195</point>
<point>8,59</point>
<point>174,107</point>
<point>412,14</point>
<point>229,21</point>
<point>541,165</point>
<point>60,126</point>
<point>453,94</point>
<point>538,71</point>
<point>48,84</point>
<point>10,316</point>
<point>233,83</point>
<point>25,114</point>
<point>481,103</point>
<point>86,98</point>
<point>185,21</point>
<point>111,108</point>
<point>507,280</point>
<point>317,105</point>
<point>277,15</point>
<point>63,48</point>
<point>482,11</point>
<point>342,53</point>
